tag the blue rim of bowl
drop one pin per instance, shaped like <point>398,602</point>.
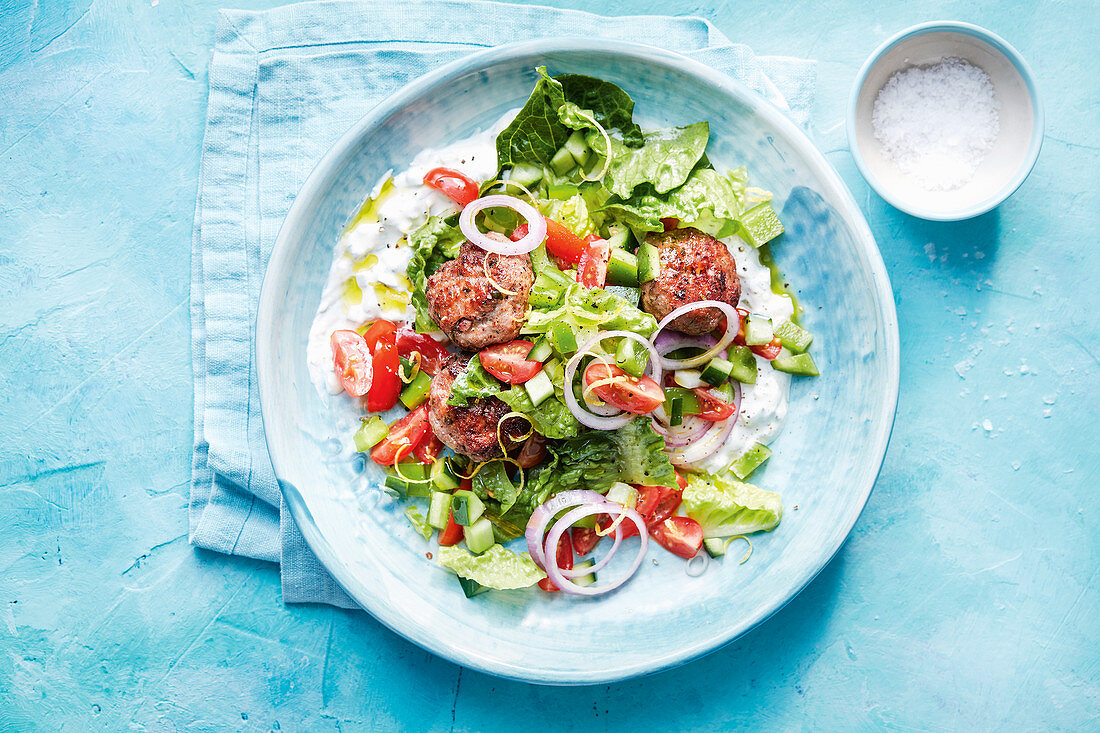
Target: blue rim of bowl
<point>1017,61</point>
<point>281,256</point>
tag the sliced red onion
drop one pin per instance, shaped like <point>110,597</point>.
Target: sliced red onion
<point>536,231</point>
<point>616,419</point>
<point>707,445</point>
<point>669,341</point>
<point>562,525</point>
<point>733,321</point>
<point>680,436</point>
<point>540,518</point>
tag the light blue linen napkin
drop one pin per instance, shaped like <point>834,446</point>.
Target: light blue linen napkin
<point>284,84</point>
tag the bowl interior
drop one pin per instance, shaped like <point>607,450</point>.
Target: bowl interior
<point>825,462</point>
<point>995,178</point>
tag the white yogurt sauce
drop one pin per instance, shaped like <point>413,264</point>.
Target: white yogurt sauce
<point>763,405</point>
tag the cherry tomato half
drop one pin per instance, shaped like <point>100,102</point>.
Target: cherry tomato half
<point>585,540</point>
<point>639,395</point>
<point>508,362</point>
<point>386,385</point>
<point>668,504</point>
<point>592,269</point>
<point>453,184</point>
<point>679,535</point>
<point>562,242</point>
<point>404,436</point>
<point>564,558</point>
<point>352,360</point>
<point>429,448</point>
<point>711,406</point>
<point>452,533</point>
<point>769,350</point>
<point>432,353</point>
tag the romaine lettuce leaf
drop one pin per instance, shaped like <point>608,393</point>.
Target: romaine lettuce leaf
<point>725,507</point>
<point>641,456</point>
<point>705,195</point>
<point>417,520</point>
<point>587,311</point>
<point>665,160</point>
<point>434,242</point>
<point>474,384</point>
<point>497,567</point>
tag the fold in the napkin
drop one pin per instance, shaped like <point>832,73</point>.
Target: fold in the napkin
<point>284,85</point>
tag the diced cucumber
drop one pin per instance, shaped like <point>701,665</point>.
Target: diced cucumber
<point>794,337</point>
<point>618,237</point>
<point>798,364</point>
<point>539,388</point>
<point>761,224</point>
<point>624,494</point>
<point>466,506</point>
<point>758,330</point>
<point>439,508</point>
<point>562,162</point>
<point>416,392</point>
<point>397,484</point>
<point>743,362</point>
<point>632,357</point>
<point>541,351</point>
<point>675,408</point>
<point>525,174</point>
<point>562,191</point>
<point>370,433</point>
<point>622,268</point>
<point>588,579</point>
<point>689,403</point>
<point>724,391</point>
<point>443,478</point>
<point>562,338</point>
<point>479,536</point>
<point>716,546</point>
<point>472,588</point>
<point>743,466</point>
<point>717,371</point>
<point>578,148</point>
<point>689,378</point>
<point>649,262</point>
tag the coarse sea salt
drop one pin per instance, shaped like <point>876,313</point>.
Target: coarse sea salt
<point>937,122</point>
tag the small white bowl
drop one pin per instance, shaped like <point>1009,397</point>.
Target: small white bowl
<point>1007,163</point>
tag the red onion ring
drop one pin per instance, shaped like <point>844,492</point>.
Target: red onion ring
<point>616,420</point>
<point>680,436</point>
<point>562,525</point>
<point>540,518</point>
<point>670,341</point>
<point>733,321</point>
<point>705,446</point>
<point>536,231</point>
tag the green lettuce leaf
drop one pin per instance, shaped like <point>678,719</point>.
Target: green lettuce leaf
<point>434,242</point>
<point>587,311</point>
<point>664,161</point>
<point>641,456</point>
<point>725,507</point>
<point>474,384</point>
<point>705,197</point>
<point>497,567</point>
<point>419,523</point>
<point>492,482</point>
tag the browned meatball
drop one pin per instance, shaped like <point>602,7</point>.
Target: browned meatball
<point>470,430</point>
<point>471,311</point>
<point>694,266</point>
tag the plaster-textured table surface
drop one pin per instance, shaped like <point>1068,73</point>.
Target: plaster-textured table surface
<point>965,598</point>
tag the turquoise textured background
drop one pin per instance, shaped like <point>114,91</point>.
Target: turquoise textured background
<point>966,597</point>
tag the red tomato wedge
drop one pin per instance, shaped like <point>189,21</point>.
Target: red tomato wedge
<point>562,242</point>
<point>452,533</point>
<point>679,535</point>
<point>680,480</point>
<point>564,558</point>
<point>404,436</point>
<point>352,360</point>
<point>432,353</point>
<point>712,407</point>
<point>453,184</point>
<point>640,396</point>
<point>668,504</point>
<point>670,222</point>
<point>533,452</point>
<point>386,385</point>
<point>429,448</point>
<point>592,269</point>
<point>769,350</point>
<point>508,362</point>
<point>585,539</point>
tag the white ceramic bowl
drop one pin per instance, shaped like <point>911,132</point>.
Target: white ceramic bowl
<point>1007,163</point>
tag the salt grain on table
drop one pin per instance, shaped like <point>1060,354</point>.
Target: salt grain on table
<point>937,122</point>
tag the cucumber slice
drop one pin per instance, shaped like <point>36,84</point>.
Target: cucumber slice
<point>439,508</point>
<point>525,174</point>
<point>370,433</point>
<point>649,262</point>
<point>743,362</point>
<point>794,337</point>
<point>578,148</point>
<point>619,237</point>
<point>798,364</point>
<point>443,478</point>
<point>716,546</point>
<point>758,330</point>
<point>624,494</point>
<point>467,507</point>
<point>689,378</point>
<point>479,536</point>
<point>622,268</point>
<point>724,391</point>
<point>472,588</point>
<point>541,351</point>
<point>562,162</point>
<point>539,388</point>
<point>562,191</point>
<point>416,392</point>
<point>743,466</point>
<point>761,224</point>
<point>584,579</point>
<point>717,371</point>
